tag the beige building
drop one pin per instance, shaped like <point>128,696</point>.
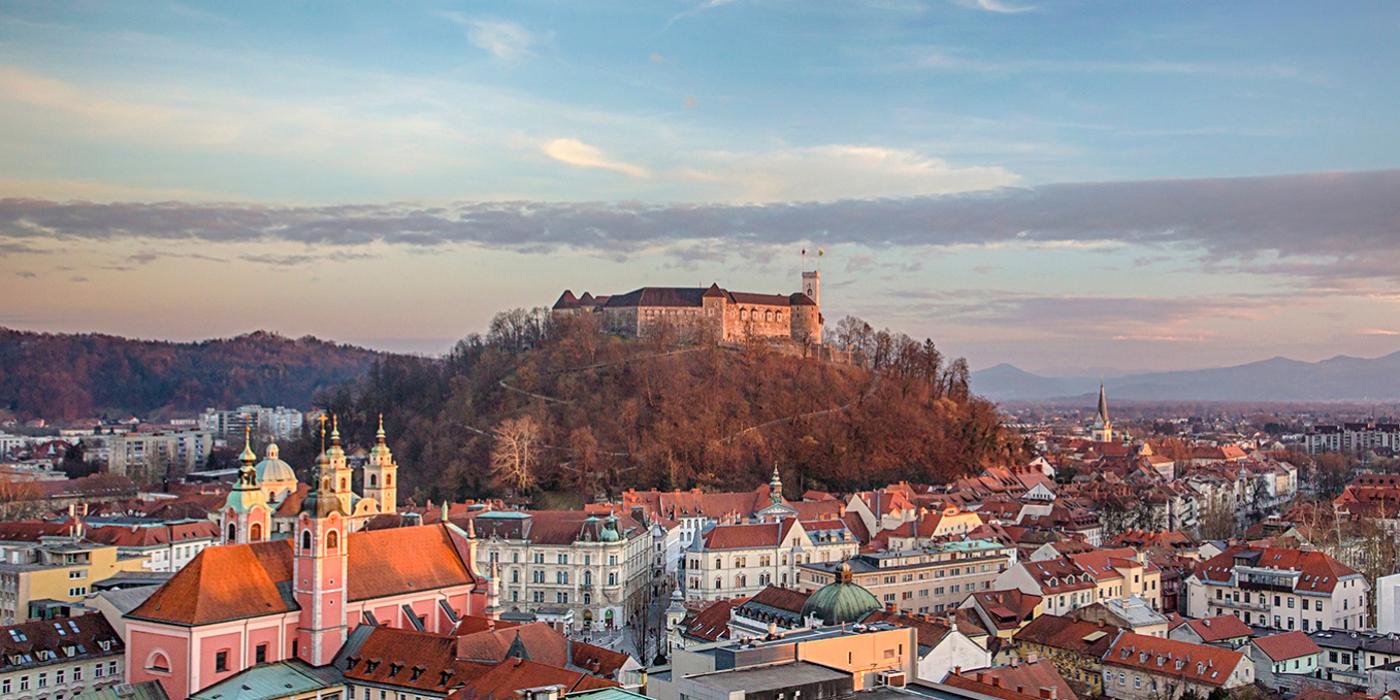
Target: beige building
<point>723,315</point>
<point>1278,587</point>
<point>934,579</point>
<point>729,561</point>
<point>54,570</point>
<point>571,568</point>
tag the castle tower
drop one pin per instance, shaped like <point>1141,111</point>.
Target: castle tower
<point>1103,427</point>
<point>246,516</point>
<point>341,484</point>
<point>812,285</point>
<point>319,568</point>
<point>381,473</point>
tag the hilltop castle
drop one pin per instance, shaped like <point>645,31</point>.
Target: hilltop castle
<point>730,316</point>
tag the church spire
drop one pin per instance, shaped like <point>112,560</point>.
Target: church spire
<point>775,487</point>
<point>1103,404</point>
<point>379,437</point>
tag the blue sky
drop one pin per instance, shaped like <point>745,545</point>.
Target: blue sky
<point>1062,185</point>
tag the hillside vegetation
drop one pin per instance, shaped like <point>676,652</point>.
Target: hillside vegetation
<point>63,377</point>
<point>537,405</point>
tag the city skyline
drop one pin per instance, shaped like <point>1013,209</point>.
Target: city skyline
<point>1190,186</point>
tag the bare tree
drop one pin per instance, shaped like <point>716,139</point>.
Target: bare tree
<point>19,499</point>
<point>515,453</point>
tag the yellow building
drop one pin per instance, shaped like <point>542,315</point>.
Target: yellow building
<point>54,570</point>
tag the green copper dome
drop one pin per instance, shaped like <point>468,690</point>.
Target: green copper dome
<point>840,602</point>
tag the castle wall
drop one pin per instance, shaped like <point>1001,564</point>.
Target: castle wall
<point>757,320</point>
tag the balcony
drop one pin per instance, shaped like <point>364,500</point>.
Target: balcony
<point>1241,605</point>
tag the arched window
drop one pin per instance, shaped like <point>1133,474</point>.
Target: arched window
<point>768,315</point>
<point>306,541</point>
<point>388,480</point>
<point>587,578</point>
<point>158,661</point>
<point>743,314</point>
<point>778,316</point>
<point>332,539</point>
<point>232,532</point>
<point>515,575</point>
<point>373,481</point>
<point>342,484</point>
<point>255,533</point>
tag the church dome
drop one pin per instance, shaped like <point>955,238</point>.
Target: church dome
<point>840,602</point>
<point>274,470</point>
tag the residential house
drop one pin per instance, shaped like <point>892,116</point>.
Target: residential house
<point>1139,667</point>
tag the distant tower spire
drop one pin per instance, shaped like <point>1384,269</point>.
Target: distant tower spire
<point>1103,426</point>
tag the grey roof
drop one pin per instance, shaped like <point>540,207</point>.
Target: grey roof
<point>769,677</point>
<point>127,599</point>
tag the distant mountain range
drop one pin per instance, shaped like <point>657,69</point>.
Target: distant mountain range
<point>1340,378</point>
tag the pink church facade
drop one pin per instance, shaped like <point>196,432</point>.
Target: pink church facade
<point>263,602</point>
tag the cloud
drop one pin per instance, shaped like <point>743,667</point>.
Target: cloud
<point>698,8</point>
<point>579,154</point>
<point>503,39</point>
<point>832,172</point>
<point>25,274</point>
<point>1332,228</point>
<point>1378,331</point>
<point>949,60</point>
<point>996,6</point>
<point>656,58</point>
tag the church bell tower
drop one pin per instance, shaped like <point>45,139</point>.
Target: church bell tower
<point>381,473</point>
<point>320,566</point>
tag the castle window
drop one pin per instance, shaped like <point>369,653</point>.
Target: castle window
<point>306,541</point>
<point>767,315</point>
<point>742,314</point>
<point>332,539</point>
<point>778,316</point>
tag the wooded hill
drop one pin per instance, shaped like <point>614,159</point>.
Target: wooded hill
<point>537,404</point>
<point>64,377</point>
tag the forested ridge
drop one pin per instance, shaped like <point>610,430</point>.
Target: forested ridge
<point>62,377</point>
<point>537,404</point>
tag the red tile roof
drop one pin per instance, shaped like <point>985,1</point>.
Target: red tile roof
<point>781,598</point>
<point>1289,645</point>
<point>747,536</point>
<point>154,535</point>
<point>500,682</point>
<point>1193,663</point>
<point>541,641</point>
<point>407,659</point>
<point>229,582</point>
<point>710,623</point>
<point>1023,680</point>
<point>928,630</point>
<point>1320,572</point>
<point>1068,634</point>
<point>1219,628</point>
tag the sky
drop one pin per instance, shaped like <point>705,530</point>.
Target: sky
<point>1073,187</point>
